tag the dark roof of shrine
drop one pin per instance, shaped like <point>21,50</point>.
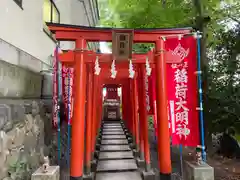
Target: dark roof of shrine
<point>87,28</point>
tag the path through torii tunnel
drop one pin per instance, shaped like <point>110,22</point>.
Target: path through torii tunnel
<point>116,148</point>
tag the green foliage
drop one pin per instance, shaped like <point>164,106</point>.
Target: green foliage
<point>224,76</point>
<point>167,14</point>
<point>223,45</point>
<point>163,14</point>
<point>147,13</point>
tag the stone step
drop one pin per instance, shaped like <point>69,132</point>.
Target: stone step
<point>114,137</point>
<point>114,148</point>
<point>111,127</point>
<point>114,141</point>
<point>116,165</point>
<point>116,155</point>
<point>112,124</point>
<point>112,133</point>
<point>119,176</point>
<point>113,130</point>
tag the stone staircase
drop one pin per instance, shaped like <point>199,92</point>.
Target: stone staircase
<point>115,157</point>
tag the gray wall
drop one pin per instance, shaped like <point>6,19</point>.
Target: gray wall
<point>23,28</point>
<point>78,12</point>
<point>18,82</point>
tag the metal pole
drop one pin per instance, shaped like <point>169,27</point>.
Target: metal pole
<point>200,91</point>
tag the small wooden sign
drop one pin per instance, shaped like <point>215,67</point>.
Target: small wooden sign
<point>122,45</point>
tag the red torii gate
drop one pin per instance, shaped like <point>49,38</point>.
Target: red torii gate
<point>83,60</point>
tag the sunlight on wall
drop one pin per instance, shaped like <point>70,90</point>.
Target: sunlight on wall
<point>46,11</point>
<point>55,17</point>
<point>50,13</point>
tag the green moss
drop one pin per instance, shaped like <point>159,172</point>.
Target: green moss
<point>19,170</point>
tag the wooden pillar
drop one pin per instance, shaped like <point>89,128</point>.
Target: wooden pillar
<point>77,148</point>
<point>133,123</point>
<point>89,120</point>
<point>154,101</point>
<point>144,117</point>
<point>162,114</point>
<point>99,103</point>
<point>129,106</point>
<point>98,108</point>
<point>140,99</point>
<point>124,105</point>
<point>135,99</point>
<point>94,120</point>
<point>123,110</point>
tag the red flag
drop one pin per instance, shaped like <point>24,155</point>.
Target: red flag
<point>70,93</point>
<point>172,57</point>
<point>55,89</point>
<point>65,89</point>
<point>182,92</point>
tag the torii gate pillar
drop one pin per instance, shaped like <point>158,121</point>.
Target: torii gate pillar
<point>77,149</point>
<point>163,138</point>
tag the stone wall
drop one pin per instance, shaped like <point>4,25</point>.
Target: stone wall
<point>18,82</point>
<point>25,136</point>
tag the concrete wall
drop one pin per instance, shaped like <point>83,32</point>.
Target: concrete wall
<point>78,12</point>
<point>23,28</point>
<point>18,82</point>
<point>25,49</point>
<point>81,8</point>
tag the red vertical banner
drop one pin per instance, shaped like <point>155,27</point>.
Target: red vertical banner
<point>182,92</point>
<point>149,95</point>
<point>55,90</point>
<point>65,89</point>
<point>70,93</point>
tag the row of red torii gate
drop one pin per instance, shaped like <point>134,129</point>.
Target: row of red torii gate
<point>162,83</point>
